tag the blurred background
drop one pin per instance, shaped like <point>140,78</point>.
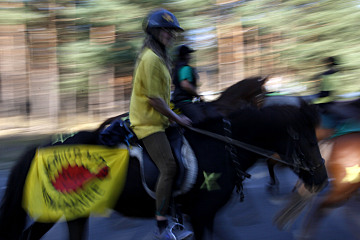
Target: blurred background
<point>67,65</point>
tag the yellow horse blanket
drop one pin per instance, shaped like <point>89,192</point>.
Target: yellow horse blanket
<point>71,181</point>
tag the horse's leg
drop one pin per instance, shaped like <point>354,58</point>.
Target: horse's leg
<point>271,164</point>
<point>342,155</point>
<point>78,229</point>
<point>299,184</point>
<point>352,216</point>
<point>297,202</point>
<point>338,194</point>
<point>12,215</point>
<point>36,230</point>
<point>203,213</point>
<point>200,224</point>
<point>273,184</point>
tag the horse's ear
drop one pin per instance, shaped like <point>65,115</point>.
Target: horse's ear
<point>264,79</point>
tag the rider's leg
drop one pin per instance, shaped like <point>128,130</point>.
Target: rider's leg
<point>160,152</point>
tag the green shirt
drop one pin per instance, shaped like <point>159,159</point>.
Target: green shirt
<point>328,82</point>
<point>185,73</point>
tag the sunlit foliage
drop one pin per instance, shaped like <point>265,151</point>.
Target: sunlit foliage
<point>311,31</point>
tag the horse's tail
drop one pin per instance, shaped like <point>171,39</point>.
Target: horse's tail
<point>12,215</point>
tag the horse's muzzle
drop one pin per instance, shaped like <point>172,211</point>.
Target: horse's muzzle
<point>316,180</point>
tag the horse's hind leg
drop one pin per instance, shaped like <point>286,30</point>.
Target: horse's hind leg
<point>199,227</point>
<point>203,225</point>
<point>78,229</point>
<point>36,230</point>
<point>352,216</point>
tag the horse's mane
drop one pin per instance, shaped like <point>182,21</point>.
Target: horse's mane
<point>243,89</point>
<point>305,115</point>
<point>240,94</point>
<point>280,115</point>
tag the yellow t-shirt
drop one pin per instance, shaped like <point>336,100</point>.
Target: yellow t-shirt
<point>151,79</point>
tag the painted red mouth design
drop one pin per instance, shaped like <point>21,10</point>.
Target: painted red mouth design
<point>74,178</point>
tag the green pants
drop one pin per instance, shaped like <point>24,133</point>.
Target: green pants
<point>158,147</point>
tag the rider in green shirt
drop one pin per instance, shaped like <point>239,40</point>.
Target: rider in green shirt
<point>327,81</point>
<point>185,80</point>
<point>327,93</point>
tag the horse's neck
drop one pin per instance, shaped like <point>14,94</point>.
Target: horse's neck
<point>227,106</point>
<point>211,111</point>
<point>282,100</point>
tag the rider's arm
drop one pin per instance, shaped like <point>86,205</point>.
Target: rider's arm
<point>187,86</point>
<point>186,80</point>
<point>159,105</point>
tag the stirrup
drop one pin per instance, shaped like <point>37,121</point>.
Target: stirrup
<point>180,232</point>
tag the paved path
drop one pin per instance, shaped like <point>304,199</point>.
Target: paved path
<point>250,220</point>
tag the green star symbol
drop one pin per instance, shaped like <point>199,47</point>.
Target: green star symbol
<point>210,181</point>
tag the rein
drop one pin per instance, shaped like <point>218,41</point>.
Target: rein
<point>246,146</point>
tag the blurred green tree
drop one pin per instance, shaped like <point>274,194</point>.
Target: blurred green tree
<point>74,20</point>
<point>309,32</point>
<point>9,14</point>
<point>127,17</point>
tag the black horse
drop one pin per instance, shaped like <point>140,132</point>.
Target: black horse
<point>288,131</point>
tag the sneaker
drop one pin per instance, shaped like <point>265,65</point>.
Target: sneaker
<point>165,235</point>
<point>175,231</point>
<point>180,231</point>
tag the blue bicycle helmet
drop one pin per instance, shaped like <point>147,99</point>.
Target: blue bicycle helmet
<point>161,18</point>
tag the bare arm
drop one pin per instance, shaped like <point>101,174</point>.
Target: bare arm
<point>159,105</point>
<point>187,86</point>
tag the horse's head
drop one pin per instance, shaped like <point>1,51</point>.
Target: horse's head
<point>288,131</point>
<point>303,153</point>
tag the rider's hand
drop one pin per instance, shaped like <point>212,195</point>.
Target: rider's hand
<point>184,121</point>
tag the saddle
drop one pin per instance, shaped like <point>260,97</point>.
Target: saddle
<point>119,132</point>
